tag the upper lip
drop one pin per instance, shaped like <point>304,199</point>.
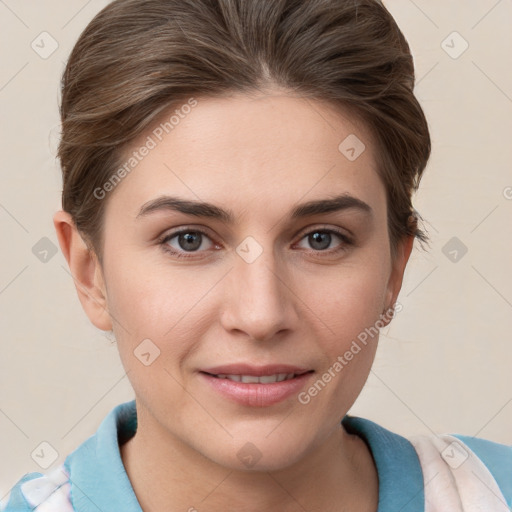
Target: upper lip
<point>257,371</point>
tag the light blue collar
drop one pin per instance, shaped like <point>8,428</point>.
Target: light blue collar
<point>400,475</point>
<point>99,480</point>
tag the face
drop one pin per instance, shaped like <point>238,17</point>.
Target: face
<point>287,264</point>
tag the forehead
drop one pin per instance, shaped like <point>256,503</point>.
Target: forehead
<point>250,150</point>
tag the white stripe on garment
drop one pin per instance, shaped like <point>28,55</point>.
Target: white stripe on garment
<point>455,478</point>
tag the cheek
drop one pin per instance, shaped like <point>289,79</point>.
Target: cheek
<point>352,301</point>
<point>147,313</point>
<point>170,307</point>
<point>140,302</point>
<point>351,304</point>
<point>145,293</point>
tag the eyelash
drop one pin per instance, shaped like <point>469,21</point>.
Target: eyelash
<point>346,241</point>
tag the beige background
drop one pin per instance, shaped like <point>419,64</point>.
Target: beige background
<point>444,363</point>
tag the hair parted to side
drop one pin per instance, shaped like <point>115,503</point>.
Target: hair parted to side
<point>138,58</point>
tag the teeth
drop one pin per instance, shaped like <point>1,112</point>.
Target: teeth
<point>252,379</point>
<point>267,379</point>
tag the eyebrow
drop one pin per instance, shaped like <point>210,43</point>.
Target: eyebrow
<point>209,210</point>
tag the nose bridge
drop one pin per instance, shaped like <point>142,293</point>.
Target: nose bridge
<point>260,302</point>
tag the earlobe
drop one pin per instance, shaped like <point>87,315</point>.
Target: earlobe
<point>85,270</point>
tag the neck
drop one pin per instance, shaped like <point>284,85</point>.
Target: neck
<point>166,474</point>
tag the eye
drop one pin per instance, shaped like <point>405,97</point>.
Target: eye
<point>320,240</point>
<point>186,241</point>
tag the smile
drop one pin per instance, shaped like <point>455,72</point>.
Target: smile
<point>252,379</point>
<point>256,390</point>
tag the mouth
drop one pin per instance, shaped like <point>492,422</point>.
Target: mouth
<point>252,386</point>
<point>261,379</point>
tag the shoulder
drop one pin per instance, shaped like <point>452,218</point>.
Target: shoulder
<point>496,457</point>
<point>449,472</point>
<point>74,484</point>
<point>34,489</point>
<point>469,469</point>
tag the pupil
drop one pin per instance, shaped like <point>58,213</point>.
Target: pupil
<point>191,241</point>
<point>318,238</point>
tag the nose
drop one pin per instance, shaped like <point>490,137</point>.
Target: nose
<point>259,300</point>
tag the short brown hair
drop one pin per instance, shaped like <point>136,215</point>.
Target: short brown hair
<point>138,58</point>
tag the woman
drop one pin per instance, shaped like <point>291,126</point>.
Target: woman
<point>237,210</point>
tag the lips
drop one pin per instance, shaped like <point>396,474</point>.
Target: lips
<point>256,386</point>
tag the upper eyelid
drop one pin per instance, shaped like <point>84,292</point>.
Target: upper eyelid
<point>338,230</point>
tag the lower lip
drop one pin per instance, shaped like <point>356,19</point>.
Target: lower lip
<point>255,394</point>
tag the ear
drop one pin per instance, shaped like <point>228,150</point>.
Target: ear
<point>403,253</point>
<point>85,270</point>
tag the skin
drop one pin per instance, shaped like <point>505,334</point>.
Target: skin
<point>258,156</point>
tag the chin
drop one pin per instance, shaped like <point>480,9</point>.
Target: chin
<point>259,454</point>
